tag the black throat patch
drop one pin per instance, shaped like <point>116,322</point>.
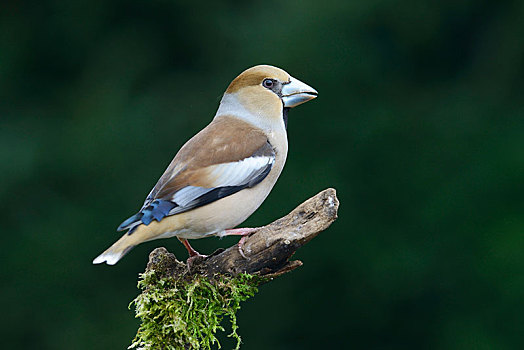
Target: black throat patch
<point>284,115</point>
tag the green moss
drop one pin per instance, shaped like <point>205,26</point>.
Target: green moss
<point>187,312</point>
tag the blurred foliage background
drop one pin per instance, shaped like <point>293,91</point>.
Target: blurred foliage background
<point>419,125</point>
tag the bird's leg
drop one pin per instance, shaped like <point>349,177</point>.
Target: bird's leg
<point>241,231</point>
<point>192,252</point>
<point>244,232</point>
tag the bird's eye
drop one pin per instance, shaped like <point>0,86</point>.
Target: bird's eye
<point>268,83</point>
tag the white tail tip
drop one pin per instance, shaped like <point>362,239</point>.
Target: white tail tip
<point>110,259</point>
<point>112,255</point>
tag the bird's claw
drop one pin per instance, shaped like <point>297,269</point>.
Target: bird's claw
<point>194,259</point>
<point>240,245</point>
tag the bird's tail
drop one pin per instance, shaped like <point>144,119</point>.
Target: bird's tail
<point>117,251</point>
<point>139,234</point>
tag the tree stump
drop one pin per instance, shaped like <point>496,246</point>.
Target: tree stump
<point>181,306</point>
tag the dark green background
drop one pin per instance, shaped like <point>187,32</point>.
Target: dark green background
<point>419,125</point>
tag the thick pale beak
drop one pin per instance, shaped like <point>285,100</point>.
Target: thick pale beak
<point>296,92</point>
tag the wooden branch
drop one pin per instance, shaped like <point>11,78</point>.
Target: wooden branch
<point>267,250</point>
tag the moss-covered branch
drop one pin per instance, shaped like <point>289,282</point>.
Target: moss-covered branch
<point>182,308</point>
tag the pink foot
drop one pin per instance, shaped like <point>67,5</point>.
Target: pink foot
<point>195,259</point>
<point>192,252</point>
<point>241,231</point>
<point>244,232</point>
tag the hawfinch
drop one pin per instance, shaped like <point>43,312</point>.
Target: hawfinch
<point>222,174</point>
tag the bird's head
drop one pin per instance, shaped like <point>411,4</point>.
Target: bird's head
<point>260,94</point>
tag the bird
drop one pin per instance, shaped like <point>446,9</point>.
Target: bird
<point>223,173</point>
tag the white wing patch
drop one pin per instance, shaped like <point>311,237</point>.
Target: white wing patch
<point>239,173</point>
<point>231,174</point>
<point>189,193</point>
